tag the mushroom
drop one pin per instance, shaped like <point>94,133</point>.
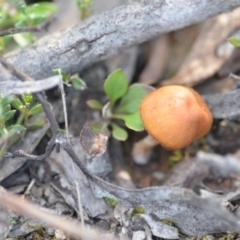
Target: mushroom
<point>175,116</point>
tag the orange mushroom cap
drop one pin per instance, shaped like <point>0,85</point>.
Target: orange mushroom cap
<point>175,116</point>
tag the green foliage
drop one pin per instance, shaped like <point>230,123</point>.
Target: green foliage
<point>37,124</point>
<point>8,115</point>
<point>137,211</point>
<point>25,108</point>
<point>116,86</point>
<point>78,84</point>
<point>74,81</point>
<point>38,12</point>
<point>110,201</point>
<point>14,118</point>
<point>28,98</point>
<point>94,104</point>
<point>118,132</point>
<point>234,41</point>
<point>35,110</point>
<point>134,121</point>
<point>8,131</point>
<point>131,101</point>
<point>176,157</point>
<point>84,7</point>
<point>124,102</point>
<point>15,112</point>
<point>16,13</point>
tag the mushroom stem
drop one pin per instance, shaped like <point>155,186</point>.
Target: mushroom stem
<point>142,149</point>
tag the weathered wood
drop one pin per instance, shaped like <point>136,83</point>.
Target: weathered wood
<point>104,35</point>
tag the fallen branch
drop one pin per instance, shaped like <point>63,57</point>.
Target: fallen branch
<point>106,34</point>
<point>70,226</point>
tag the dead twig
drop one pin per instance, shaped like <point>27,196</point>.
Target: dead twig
<point>39,27</point>
<point>21,153</point>
<point>234,77</point>
<point>69,226</point>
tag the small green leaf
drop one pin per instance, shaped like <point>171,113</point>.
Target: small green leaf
<point>133,121</point>
<point>5,101</point>
<point>110,201</point>
<point>94,104</point>
<point>176,156</point>
<point>28,98</point>
<point>40,10</point>
<point>119,133</point>
<point>56,71</point>
<point>17,103</point>
<point>137,211</point>
<point>131,101</point>
<point>36,110</point>
<point>166,222</point>
<point>22,23</point>
<point>21,6</point>
<point>2,132</point>
<point>37,124</point>
<point>65,77</point>
<point>8,115</point>
<point>84,3</point>
<point>116,86</point>
<point>234,41</point>
<point>24,39</point>
<point>16,129</point>
<point>79,84</point>
<point>7,108</point>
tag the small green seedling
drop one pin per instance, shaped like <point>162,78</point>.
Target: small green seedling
<point>18,14</point>
<point>69,80</point>
<point>84,7</point>
<point>110,201</point>
<point>234,41</point>
<point>137,211</point>
<point>27,108</point>
<point>175,157</point>
<point>124,102</point>
<point>8,131</point>
<point>14,119</point>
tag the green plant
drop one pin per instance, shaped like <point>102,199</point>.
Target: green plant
<point>14,119</point>
<point>7,129</point>
<point>124,102</point>
<point>15,112</point>
<point>69,80</point>
<point>83,7</point>
<point>175,157</point>
<point>110,201</point>
<point>234,41</point>
<point>27,108</point>
<point>138,210</point>
<point>16,13</point>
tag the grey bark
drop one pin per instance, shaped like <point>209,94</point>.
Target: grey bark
<point>104,35</point>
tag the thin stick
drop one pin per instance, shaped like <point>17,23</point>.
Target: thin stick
<point>64,107</point>
<point>68,140</point>
<point>80,207</point>
<point>234,77</point>
<point>27,192</point>
<point>69,226</point>
<point>39,27</point>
